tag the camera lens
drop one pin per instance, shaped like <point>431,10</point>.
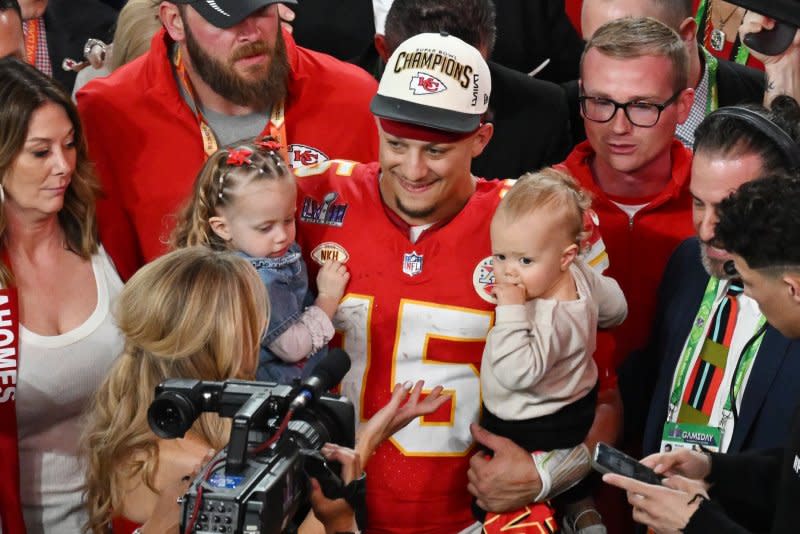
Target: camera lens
<point>171,414</point>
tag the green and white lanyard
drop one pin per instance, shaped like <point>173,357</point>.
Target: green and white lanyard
<point>712,64</point>
<point>698,334</point>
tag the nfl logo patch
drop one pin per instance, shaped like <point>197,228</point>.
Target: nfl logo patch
<point>412,263</point>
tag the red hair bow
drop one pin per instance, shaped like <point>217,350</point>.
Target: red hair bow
<point>271,145</point>
<point>239,157</point>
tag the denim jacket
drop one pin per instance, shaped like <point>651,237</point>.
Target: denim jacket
<point>286,279</point>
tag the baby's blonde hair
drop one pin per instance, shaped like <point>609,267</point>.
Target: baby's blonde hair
<point>223,173</point>
<point>552,189</point>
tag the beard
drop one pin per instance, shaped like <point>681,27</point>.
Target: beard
<point>264,87</point>
<point>714,267</point>
<point>419,213</point>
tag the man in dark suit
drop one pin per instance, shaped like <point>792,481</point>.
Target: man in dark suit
<point>717,82</point>
<point>742,383</point>
<point>530,116</point>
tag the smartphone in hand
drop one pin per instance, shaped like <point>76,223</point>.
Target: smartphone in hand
<point>607,459</point>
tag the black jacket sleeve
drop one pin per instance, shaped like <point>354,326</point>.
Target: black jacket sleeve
<point>747,481</point>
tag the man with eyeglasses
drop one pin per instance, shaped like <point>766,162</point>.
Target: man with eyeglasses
<point>633,94</point>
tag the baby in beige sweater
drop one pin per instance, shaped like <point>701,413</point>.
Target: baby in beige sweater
<point>538,377</point>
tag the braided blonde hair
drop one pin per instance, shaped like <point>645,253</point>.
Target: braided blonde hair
<point>216,185</point>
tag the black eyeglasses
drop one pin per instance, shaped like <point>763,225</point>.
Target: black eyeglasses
<point>642,114</point>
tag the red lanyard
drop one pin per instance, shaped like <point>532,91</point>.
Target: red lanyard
<point>10,505</point>
<point>275,127</point>
<point>31,40</point>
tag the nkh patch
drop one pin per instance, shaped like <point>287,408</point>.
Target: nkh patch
<point>483,279</point>
<point>325,212</point>
<point>329,251</point>
<point>304,155</point>
<point>425,84</point>
<point>412,263</point>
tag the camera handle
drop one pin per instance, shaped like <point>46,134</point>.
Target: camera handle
<point>257,407</point>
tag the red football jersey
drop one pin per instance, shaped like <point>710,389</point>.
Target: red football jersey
<point>411,311</point>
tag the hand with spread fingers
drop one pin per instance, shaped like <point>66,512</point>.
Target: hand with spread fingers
<point>667,508</point>
<point>403,407</point>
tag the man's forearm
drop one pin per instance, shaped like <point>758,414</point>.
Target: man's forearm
<point>607,425</point>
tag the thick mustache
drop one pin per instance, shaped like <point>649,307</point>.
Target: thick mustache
<point>255,48</point>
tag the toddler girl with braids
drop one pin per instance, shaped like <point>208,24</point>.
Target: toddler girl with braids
<point>245,200</point>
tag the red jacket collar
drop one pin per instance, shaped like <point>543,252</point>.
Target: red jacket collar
<point>577,164</point>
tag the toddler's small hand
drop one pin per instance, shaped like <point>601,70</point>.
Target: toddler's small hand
<point>509,293</point>
<point>332,280</point>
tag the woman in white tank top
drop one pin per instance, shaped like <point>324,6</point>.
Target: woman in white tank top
<point>65,338</point>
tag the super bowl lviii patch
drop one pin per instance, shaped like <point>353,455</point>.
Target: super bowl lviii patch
<point>483,279</point>
<point>329,251</point>
<point>412,263</point>
<point>326,211</point>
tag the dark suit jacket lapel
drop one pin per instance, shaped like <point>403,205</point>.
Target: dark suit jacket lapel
<point>768,361</point>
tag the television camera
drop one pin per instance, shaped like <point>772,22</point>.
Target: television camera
<point>259,482</point>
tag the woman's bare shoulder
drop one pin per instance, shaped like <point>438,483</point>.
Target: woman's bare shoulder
<point>177,458</point>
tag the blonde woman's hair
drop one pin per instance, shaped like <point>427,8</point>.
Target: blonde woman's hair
<point>194,313</point>
<point>633,37</point>
<point>23,90</point>
<point>137,22</point>
<point>551,189</point>
<point>216,185</point>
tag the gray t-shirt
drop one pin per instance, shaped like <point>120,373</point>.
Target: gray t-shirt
<point>232,128</point>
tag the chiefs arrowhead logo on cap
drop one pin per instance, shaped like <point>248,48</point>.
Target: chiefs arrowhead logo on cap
<point>425,84</point>
<point>329,251</point>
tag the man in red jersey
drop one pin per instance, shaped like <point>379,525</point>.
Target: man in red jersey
<point>218,72</point>
<point>414,231</point>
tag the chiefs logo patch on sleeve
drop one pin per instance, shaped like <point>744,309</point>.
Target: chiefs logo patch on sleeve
<point>304,155</point>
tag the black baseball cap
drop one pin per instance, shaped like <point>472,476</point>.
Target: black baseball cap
<point>227,13</point>
<point>787,11</point>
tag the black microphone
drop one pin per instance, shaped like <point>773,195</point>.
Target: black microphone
<point>328,372</point>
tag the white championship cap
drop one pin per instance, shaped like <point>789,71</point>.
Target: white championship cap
<point>437,81</point>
